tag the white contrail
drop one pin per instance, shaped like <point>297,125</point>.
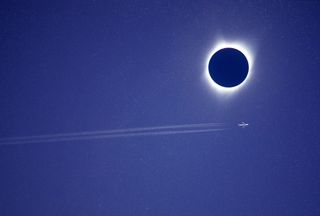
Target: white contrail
<point>127,130</point>
<point>106,136</point>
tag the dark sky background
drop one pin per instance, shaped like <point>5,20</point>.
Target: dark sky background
<point>72,66</point>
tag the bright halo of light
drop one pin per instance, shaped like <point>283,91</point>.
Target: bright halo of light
<point>236,45</point>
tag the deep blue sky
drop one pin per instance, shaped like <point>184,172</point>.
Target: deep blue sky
<point>70,66</point>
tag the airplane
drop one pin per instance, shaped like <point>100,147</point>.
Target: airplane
<point>243,124</point>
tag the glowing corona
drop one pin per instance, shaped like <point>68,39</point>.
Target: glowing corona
<point>220,45</point>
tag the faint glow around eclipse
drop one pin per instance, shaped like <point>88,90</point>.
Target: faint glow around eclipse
<point>220,45</point>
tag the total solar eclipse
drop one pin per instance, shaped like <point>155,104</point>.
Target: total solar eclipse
<point>228,67</point>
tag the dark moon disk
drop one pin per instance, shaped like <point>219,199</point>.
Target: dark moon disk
<point>228,67</point>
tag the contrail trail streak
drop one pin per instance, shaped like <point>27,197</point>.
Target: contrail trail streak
<point>137,129</point>
<point>107,136</point>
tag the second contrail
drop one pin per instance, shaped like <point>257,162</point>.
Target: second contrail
<point>106,136</point>
<point>129,132</point>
